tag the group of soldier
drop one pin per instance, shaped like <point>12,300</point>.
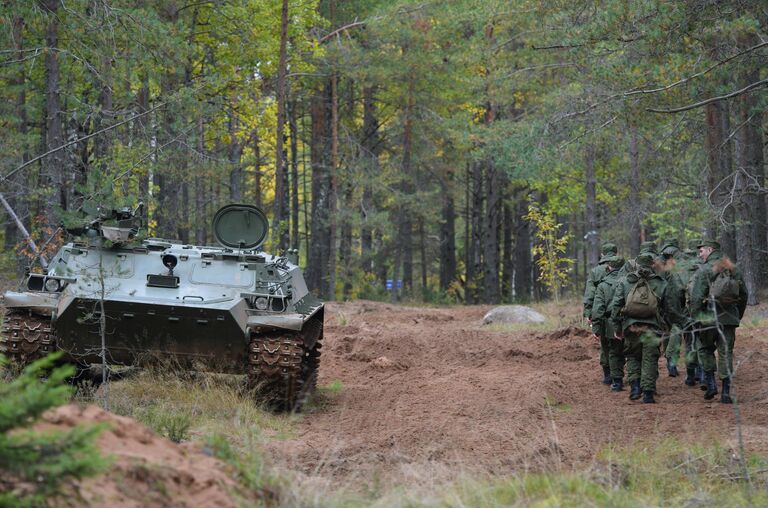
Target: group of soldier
<point>658,300</point>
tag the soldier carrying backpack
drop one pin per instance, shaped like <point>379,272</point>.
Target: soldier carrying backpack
<point>643,301</point>
<point>718,299</point>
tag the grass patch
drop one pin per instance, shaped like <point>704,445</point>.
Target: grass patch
<point>183,407</point>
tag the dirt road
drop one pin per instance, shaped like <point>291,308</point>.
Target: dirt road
<point>431,394</point>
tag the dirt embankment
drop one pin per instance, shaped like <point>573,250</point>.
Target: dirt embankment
<point>146,470</point>
<point>430,393</point>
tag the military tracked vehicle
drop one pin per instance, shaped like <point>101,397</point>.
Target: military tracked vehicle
<point>229,308</point>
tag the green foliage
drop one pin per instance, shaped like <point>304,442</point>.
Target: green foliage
<point>34,464</point>
<point>550,248</point>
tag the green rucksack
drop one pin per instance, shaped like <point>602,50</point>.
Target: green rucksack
<point>725,288</point>
<point>641,301</point>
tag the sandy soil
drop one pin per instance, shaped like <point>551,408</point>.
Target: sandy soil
<point>429,394</point>
<point>146,470</point>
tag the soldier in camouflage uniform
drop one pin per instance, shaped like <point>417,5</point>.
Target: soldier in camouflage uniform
<point>669,257</point>
<point>596,275</point>
<point>602,326</point>
<point>685,269</point>
<point>717,317</point>
<point>642,335</point>
<point>649,247</point>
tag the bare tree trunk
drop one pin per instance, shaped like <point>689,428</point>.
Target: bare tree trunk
<point>280,215</point>
<point>719,176</point>
<point>751,231</point>
<point>54,166</point>
<point>371,150</point>
<point>593,250</point>
<point>257,169</point>
<point>491,287</point>
<point>635,229</point>
<point>319,240</point>
<point>19,180</point>
<point>405,221</point>
<point>234,156</point>
<point>423,255</point>
<point>448,235</point>
<point>507,265</point>
<point>474,258</point>
<point>294,137</point>
<point>523,286</point>
<point>201,220</point>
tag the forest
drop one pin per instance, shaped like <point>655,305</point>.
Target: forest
<point>456,151</point>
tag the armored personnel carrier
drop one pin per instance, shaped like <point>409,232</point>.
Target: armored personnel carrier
<point>230,308</point>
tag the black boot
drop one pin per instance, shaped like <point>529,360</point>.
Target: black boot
<point>711,385</point>
<point>648,397</point>
<point>725,397</point>
<point>606,375</point>
<point>671,368</point>
<point>617,385</point>
<point>634,392</point>
<point>690,376</point>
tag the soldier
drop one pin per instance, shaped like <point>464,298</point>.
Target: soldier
<point>718,302</point>
<point>596,274</point>
<point>686,269</point>
<point>649,247</point>
<point>670,254</point>
<point>610,349</point>
<point>642,301</point>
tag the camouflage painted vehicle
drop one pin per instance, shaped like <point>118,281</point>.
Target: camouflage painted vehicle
<point>231,309</point>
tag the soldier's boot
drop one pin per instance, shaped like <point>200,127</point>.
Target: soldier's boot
<point>711,385</point>
<point>648,397</point>
<point>634,392</point>
<point>672,368</point>
<point>617,385</point>
<point>606,375</point>
<point>690,376</point>
<point>725,397</point>
<point>700,375</point>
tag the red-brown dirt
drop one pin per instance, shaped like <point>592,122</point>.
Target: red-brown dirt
<point>431,392</point>
<point>145,470</point>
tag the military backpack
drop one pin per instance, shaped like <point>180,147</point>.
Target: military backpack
<point>724,288</point>
<point>641,301</point>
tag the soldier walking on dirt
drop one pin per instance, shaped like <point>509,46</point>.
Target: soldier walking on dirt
<point>669,258</point>
<point>594,278</point>
<point>718,302</point>
<point>610,349</point>
<point>643,300</point>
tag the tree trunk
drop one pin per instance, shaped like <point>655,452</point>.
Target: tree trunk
<point>635,229</point>
<point>719,175</point>
<point>491,286</point>
<point>751,231</point>
<point>257,169</point>
<point>447,235</point>
<point>474,257</point>
<point>294,137</point>
<point>593,250</point>
<point>280,215</point>
<point>507,265</point>
<point>371,150</point>
<point>319,240</point>
<point>234,156</point>
<point>523,285</point>
<point>405,236</point>
<point>54,164</point>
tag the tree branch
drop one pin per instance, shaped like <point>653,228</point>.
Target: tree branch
<point>339,30</point>
<point>731,95</point>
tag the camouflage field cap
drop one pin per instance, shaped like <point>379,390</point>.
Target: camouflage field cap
<point>648,247</point>
<point>645,260</point>
<point>609,248</point>
<point>615,262</point>
<point>709,243</point>
<point>670,247</point>
<point>694,244</point>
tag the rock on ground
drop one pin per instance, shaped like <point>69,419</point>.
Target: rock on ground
<point>513,314</point>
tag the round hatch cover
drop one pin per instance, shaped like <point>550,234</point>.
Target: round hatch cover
<point>240,226</point>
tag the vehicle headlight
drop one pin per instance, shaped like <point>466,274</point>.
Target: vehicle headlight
<point>261,303</point>
<point>52,285</point>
